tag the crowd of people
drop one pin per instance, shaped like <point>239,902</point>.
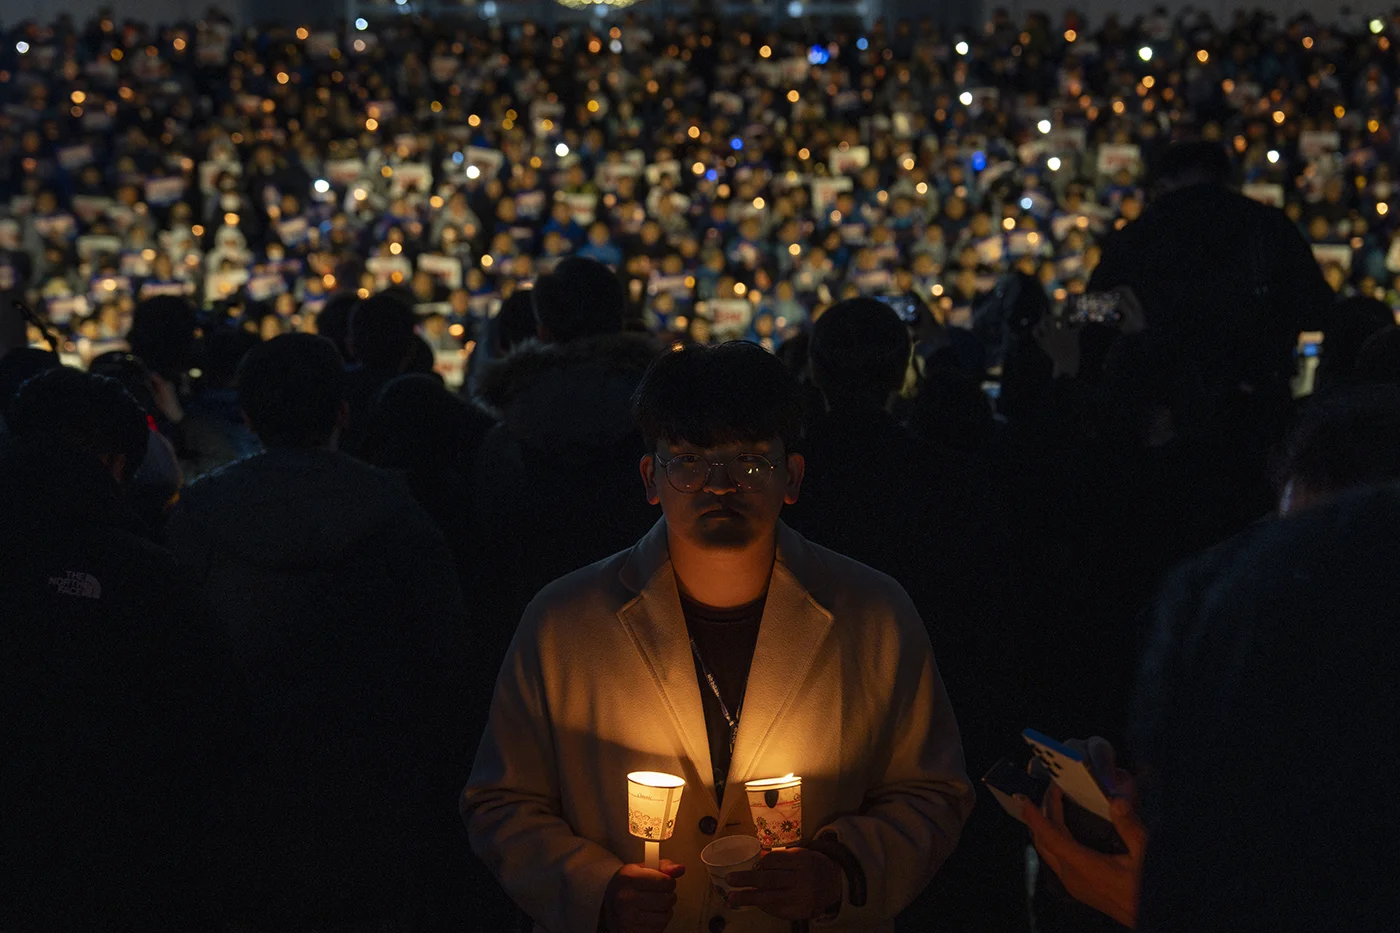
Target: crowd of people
<point>739,178</point>
<point>1063,354</point>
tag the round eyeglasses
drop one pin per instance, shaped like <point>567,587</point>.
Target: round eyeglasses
<point>689,473</point>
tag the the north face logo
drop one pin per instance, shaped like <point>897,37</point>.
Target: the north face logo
<point>74,583</point>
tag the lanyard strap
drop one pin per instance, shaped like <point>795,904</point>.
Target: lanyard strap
<point>731,720</point>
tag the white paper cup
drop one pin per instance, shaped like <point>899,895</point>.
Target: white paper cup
<point>729,854</point>
<point>776,807</point>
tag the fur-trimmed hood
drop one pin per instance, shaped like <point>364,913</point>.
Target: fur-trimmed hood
<point>573,396</point>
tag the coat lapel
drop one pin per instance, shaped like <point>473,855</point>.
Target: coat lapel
<point>793,630</point>
<point>656,625</point>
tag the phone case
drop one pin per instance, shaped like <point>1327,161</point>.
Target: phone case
<point>1071,771</point>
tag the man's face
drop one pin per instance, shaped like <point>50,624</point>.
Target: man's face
<point>720,516</point>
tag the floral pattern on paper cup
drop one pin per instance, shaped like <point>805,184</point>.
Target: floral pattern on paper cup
<point>776,807</point>
<point>652,802</point>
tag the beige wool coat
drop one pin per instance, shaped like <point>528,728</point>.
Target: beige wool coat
<point>598,682</point>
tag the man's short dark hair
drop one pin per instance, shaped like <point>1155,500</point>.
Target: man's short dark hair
<point>860,352</point>
<point>89,415</point>
<point>736,392</point>
<point>162,334</point>
<point>333,322</point>
<point>224,350</point>
<point>381,332</point>
<point>1346,438</point>
<point>291,389</point>
<point>580,298</point>
<point>514,323</point>
<point>1198,159</point>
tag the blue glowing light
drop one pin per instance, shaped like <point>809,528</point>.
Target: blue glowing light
<point>1027,204</point>
<point>736,144</point>
<point>458,158</point>
<point>818,55</point>
<point>979,160</point>
<point>712,175</point>
<point>862,43</point>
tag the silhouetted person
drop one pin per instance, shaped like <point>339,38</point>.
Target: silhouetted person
<point>1273,660</point>
<point>1350,323</point>
<point>553,483</point>
<point>382,345</point>
<point>119,708</point>
<point>1226,283</point>
<point>347,620</point>
<point>419,428</point>
<point>925,516</point>
<point>333,322</point>
<point>1379,359</point>
<point>215,432</point>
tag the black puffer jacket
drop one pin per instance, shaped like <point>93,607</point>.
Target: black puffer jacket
<point>118,708</point>
<point>346,617</point>
<point>556,486</point>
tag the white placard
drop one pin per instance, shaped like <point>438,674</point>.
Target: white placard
<point>1115,157</point>
<point>265,286</point>
<point>1264,193</point>
<point>657,170</point>
<point>210,170</point>
<point>582,207</point>
<point>451,365</point>
<point>730,317</point>
<point>384,267</point>
<point>294,231</point>
<point>161,192</point>
<point>55,225</point>
<point>853,159</point>
<point>1315,143</point>
<point>446,268</point>
<point>344,171</point>
<point>488,160</point>
<point>73,158</point>
<point>96,245</point>
<point>610,174</point>
<point>89,207</point>
<point>1328,254</point>
<point>825,190</point>
<point>63,310</point>
<point>529,205</point>
<point>417,175</point>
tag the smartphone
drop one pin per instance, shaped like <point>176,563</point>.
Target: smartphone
<point>1095,308</point>
<point>906,306</point>
<point>1071,770</point>
<point>1310,343</point>
<point>991,389</point>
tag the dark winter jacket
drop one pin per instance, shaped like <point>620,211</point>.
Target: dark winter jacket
<point>1268,705</point>
<point>556,483</point>
<point>1226,283</point>
<point>118,710</point>
<point>346,618</point>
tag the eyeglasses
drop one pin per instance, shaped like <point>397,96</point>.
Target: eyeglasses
<point>688,473</point>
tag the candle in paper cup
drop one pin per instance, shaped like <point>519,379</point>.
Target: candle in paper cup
<point>727,855</point>
<point>776,807</point>
<point>653,799</point>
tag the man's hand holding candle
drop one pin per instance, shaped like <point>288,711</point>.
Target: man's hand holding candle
<point>790,884</point>
<point>640,900</point>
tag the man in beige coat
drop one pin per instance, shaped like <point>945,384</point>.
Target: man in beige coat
<point>723,648</point>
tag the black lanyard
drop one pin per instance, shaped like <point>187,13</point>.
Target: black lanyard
<point>731,720</point>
